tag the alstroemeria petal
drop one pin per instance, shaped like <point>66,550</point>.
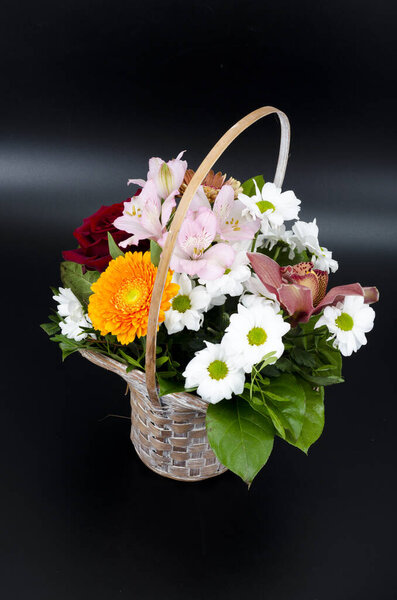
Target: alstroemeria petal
<point>167,207</point>
<point>267,270</point>
<point>140,182</point>
<point>223,204</point>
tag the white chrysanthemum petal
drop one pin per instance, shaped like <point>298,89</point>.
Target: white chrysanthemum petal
<point>348,322</point>
<point>199,298</point>
<point>231,282</point>
<point>239,346</point>
<point>74,317</point>
<point>214,385</point>
<point>305,237</point>
<point>196,301</point>
<point>271,205</point>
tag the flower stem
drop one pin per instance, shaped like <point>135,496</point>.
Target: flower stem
<point>254,242</point>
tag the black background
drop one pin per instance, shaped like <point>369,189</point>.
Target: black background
<point>89,91</point>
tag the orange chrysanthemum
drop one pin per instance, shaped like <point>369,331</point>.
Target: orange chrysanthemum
<point>122,294</point>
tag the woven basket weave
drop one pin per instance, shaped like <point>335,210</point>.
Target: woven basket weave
<point>169,433</point>
<point>171,439</point>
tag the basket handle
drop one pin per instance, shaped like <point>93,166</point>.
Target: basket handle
<point>180,213</point>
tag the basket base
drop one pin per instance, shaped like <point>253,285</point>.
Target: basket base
<point>175,476</point>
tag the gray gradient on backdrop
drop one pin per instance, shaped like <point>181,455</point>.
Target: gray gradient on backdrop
<point>55,187</point>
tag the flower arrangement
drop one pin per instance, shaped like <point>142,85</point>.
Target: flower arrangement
<point>246,319</point>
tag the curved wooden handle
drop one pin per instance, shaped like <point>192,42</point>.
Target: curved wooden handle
<point>177,221</point>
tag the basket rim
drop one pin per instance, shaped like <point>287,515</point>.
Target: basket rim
<point>180,400</point>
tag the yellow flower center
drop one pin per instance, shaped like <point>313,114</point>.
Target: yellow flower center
<point>181,303</point>
<point>344,322</point>
<point>256,336</point>
<point>217,369</point>
<point>132,294</point>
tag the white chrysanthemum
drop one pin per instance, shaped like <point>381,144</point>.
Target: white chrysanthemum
<point>254,332</point>
<point>231,282</point>
<point>325,262</point>
<point>211,370</point>
<point>249,300</point>
<point>270,236</point>
<point>348,322</point>
<point>254,286</point>
<point>271,204</point>
<point>188,306</point>
<point>67,302</point>
<point>74,318</point>
<point>305,237</point>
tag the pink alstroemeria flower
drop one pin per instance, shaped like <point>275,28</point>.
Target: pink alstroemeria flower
<point>167,176</point>
<point>231,225</point>
<point>145,217</point>
<point>194,253</point>
<point>301,290</point>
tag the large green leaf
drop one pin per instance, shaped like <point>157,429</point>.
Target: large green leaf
<point>284,403</point>
<point>114,250</point>
<point>249,186</point>
<point>241,438</point>
<point>313,421</point>
<point>80,283</point>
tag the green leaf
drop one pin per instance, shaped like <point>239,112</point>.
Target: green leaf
<point>161,361</point>
<point>167,386</point>
<point>114,250</point>
<point>302,357</point>
<point>50,328</point>
<point>80,283</point>
<point>67,350</point>
<point>155,251</point>
<point>313,420</point>
<point>285,404</point>
<point>283,364</point>
<point>249,186</point>
<point>131,361</point>
<point>241,438</point>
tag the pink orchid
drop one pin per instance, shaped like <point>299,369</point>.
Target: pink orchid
<point>231,225</point>
<point>167,176</point>
<point>301,290</point>
<point>145,217</point>
<point>194,253</point>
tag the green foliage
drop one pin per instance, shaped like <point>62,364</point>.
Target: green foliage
<point>310,355</point>
<point>155,252</point>
<point>114,250</point>
<point>171,386</point>
<point>241,437</point>
<point>249,186</point>
<point>281,254</point>
<point>80,283</point>
<point>66,345</point>
<point>282,400</point>
<point>50,328</point>
<point>313,419</point>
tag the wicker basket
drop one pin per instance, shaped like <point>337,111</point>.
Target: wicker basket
<point>169,433</point>
<point>171,439</point>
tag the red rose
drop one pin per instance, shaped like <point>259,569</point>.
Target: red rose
<point>92,236</point>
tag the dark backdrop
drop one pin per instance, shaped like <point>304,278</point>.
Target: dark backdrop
<point>89,91</point>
